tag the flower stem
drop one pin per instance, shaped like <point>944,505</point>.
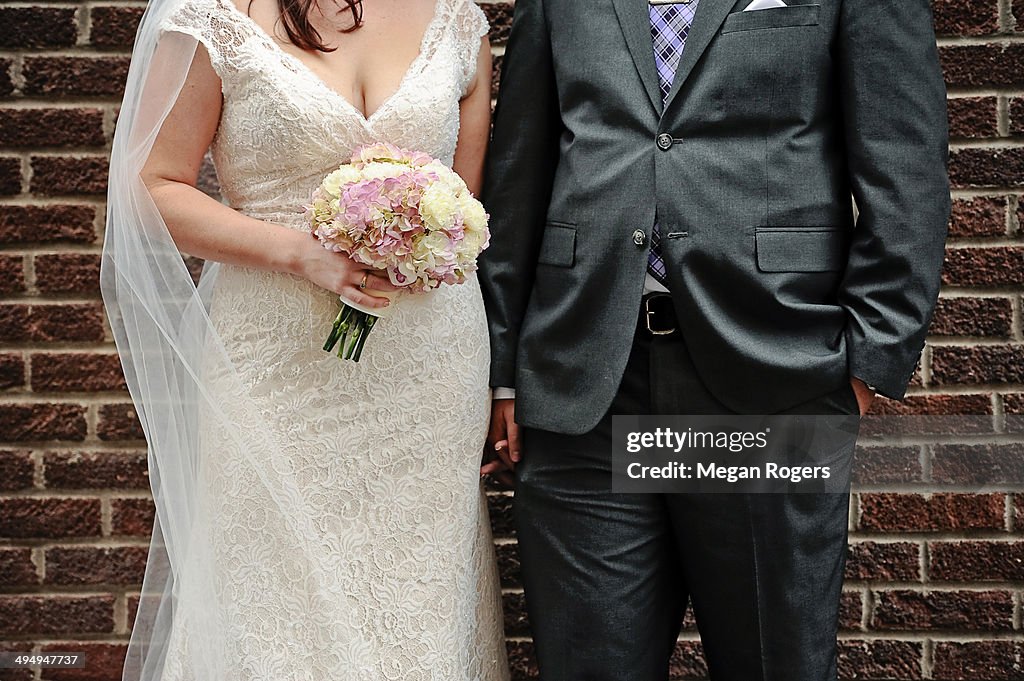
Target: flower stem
<point>349,332</point>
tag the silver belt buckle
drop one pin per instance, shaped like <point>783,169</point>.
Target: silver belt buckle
<point>648,314</point>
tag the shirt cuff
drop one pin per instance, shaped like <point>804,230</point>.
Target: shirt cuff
<point>502,393</point>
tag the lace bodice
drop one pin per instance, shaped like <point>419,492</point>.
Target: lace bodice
<point>282,128</point>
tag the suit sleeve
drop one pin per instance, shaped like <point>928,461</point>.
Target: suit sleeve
<point>893,102</point>
<point>517,187</point>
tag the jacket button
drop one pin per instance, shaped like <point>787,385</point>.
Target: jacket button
<point>639,237</point>
<point>664,141</point>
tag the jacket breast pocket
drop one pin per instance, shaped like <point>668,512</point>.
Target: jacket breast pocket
<point>558,245</point>
<point>776,17</point>
<point>801,249</point>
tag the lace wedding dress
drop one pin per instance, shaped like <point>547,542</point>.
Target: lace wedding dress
<point>357,546</point>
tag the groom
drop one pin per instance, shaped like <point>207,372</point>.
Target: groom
<point>673,233</point>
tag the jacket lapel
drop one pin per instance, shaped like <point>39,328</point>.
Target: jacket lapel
<point>708,19</point>
<point>636,26</point>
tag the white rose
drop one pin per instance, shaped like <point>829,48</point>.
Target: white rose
<point>346,174</point>
<point>473,214</point>
<point>382,169</point>
<point>438,206</point>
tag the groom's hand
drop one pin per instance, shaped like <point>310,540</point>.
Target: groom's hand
<point>503,437</point>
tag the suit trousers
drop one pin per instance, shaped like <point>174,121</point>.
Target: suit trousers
<point>607,576</point>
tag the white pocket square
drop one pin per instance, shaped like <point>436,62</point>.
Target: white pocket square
<point>764,4</point>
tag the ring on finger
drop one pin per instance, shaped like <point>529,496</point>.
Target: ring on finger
<point>362,284</point>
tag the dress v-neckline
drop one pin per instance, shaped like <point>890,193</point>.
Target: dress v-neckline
<point>311,74</point>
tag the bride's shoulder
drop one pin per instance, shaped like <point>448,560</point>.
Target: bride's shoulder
<point>220,25</point>
<point>470,17</point>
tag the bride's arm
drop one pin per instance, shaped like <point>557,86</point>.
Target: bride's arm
<point>475,123</point>
<point>206,228</point>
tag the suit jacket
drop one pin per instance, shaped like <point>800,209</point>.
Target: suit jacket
<point>776,118</point>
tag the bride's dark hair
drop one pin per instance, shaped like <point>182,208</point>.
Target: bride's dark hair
<point>301,32</point>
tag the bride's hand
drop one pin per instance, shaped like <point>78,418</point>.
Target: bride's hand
<point>339,273</point>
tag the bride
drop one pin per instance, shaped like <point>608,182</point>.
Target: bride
<point>317,519</point>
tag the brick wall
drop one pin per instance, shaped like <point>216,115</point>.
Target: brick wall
<point>935,582</point>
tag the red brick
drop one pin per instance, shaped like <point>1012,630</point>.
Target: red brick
<point>16,568</point>
<point>514,609</point>
<point>12,274</point>
<point>976,561</point>
<point>935,405</point>
<point>105,661</point>
<point>84,470</point>
<point>885,561</point>
<point>907,610</point>
<point>893,423</point>
<point>984,267</point>
<point>977,661</point>
<point>36,27</point>
<point>978,317</point>
<point>56,615</point>
<point>41,421</point>
<point>68,273</point>
<point>55,322</point>
<point>132,517</point>
<point>500,507</point>
<point>978,217</point>
<point>31,128</point>
<point>899,512</point>
<point>75,76</point>
<point>499,15</point>
<point>118,422</point>
<point>76,372</point>
<point>880,659</point>
<point>10,175</point>
<point>16,470</point>
<point>687,661</point>
<point>49,517</point>
<point>65,175</point>
<point>965,17</point>
<point>12,371</point>
<point>81,565</point>
<point>953,365</point>
<point>45,224</point>
<point>496,64</point>
<point>995,167</point>
<point>1013,404</point>
<point>973,117</point>
<point>880,465</point>
<point>1016,113</point>
<point>978,465</point>
<point>851,610</point>
<point>508,565</point>
<point>6,82</point>
<point>522,660</point>
<point>999,65</point>
<point>113,26</point>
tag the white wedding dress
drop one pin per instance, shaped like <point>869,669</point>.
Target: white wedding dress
<point>355,544</point>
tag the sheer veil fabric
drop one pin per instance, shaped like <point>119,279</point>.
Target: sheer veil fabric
<point>193,397</point>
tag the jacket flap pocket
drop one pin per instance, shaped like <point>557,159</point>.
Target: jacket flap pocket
<point>558,247</point>
<point>776,17</point>
<point>781,249</point>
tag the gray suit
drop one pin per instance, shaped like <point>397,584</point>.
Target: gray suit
<point>779,295</point>
<point>776,117</point>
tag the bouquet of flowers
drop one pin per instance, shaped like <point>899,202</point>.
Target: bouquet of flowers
<point>401,212</point>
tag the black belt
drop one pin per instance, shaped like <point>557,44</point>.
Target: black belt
<point>658,314</point>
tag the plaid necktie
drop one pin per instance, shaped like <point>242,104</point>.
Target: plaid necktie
<point>670,25</point>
